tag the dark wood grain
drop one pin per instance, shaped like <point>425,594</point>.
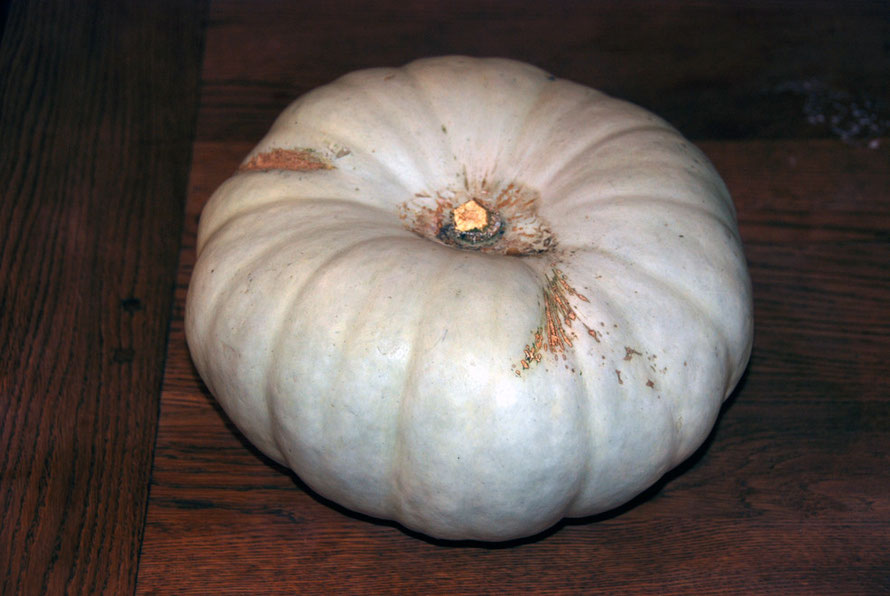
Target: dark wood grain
<point>97,105</point>
<point>790,492</point>
<point>716,70</point>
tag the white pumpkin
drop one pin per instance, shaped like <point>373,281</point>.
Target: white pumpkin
<point>471,297</point>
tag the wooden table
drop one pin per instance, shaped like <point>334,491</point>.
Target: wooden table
<point>119,474</point>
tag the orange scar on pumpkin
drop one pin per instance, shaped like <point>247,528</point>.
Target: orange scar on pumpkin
<point>298,160</point>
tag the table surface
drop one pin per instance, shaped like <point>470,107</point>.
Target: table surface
<point>119,474</point>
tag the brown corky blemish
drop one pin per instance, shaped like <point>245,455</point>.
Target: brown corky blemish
<point>556,333</point>
<point>630,353</point>
<point>296,160</point>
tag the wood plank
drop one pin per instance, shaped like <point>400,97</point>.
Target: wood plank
<point>716,70</point>
<point>97,107</point>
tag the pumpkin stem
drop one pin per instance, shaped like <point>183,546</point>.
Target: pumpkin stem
<point>496,221</point>
<point>471,225</point>
<point>470,216</point>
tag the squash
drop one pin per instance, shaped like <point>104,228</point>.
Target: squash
<point>471,297</point>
